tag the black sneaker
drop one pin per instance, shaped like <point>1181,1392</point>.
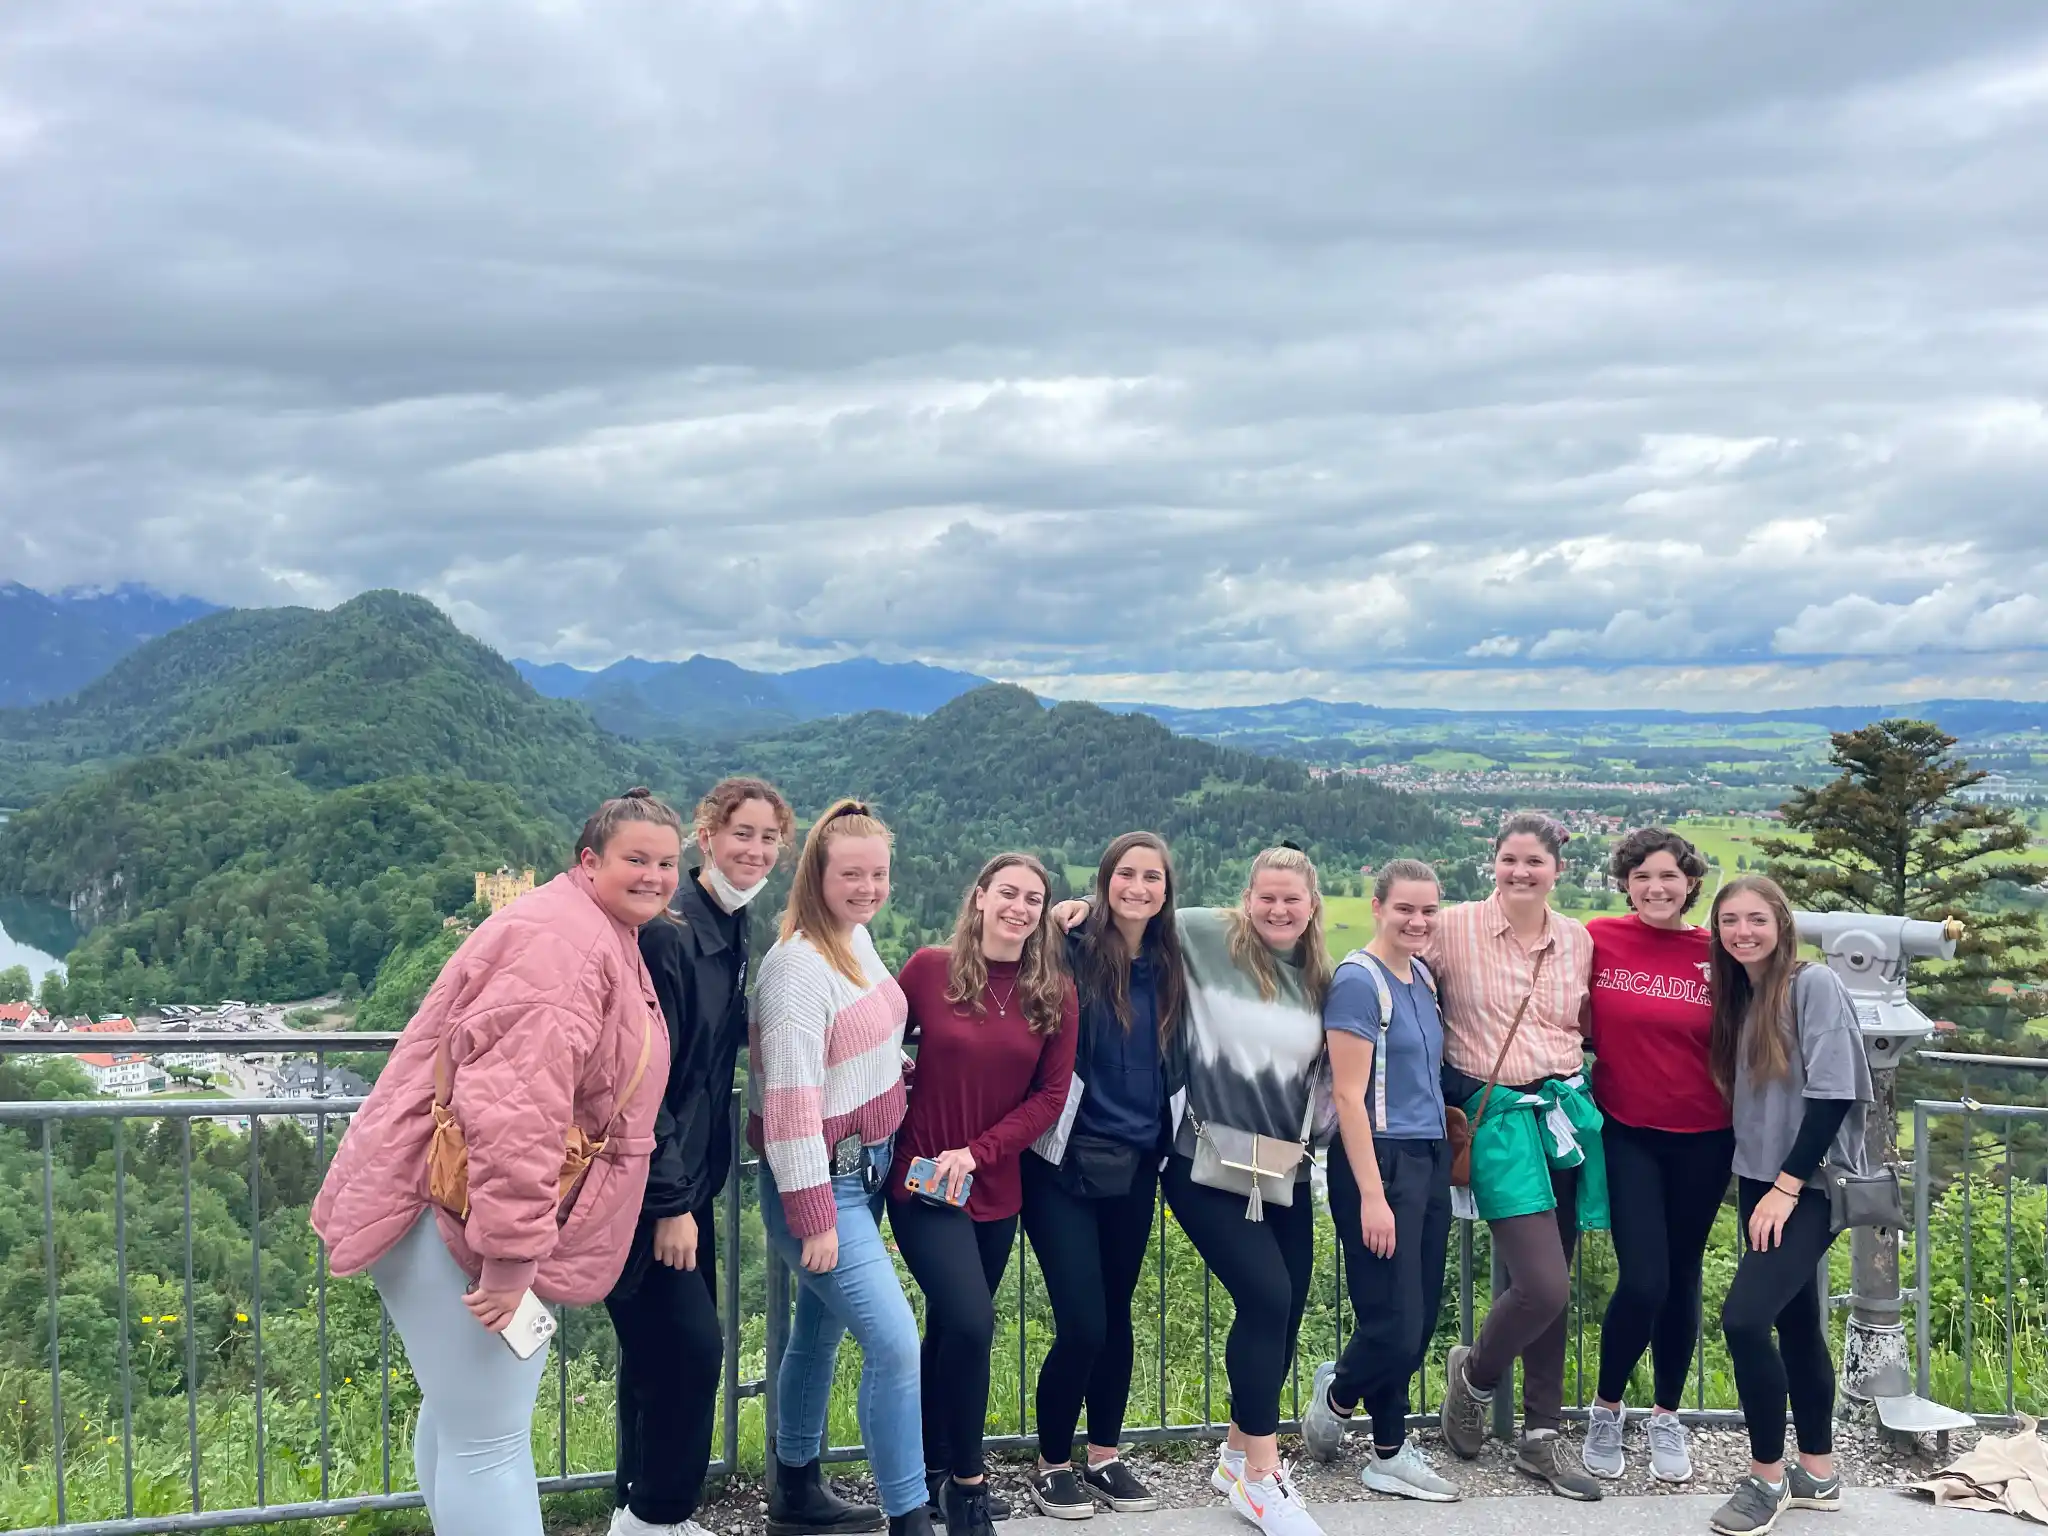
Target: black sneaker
<point>1752,1509</point>
<point>935,1497</point>
<point>1805,1491</point>
<point>966,1508</point>
<point>1059,1495</point>
<point>1117,1486</point>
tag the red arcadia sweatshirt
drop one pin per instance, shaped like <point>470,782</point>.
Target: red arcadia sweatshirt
<point>1652,1016</point>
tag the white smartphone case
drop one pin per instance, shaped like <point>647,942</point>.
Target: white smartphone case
<point>531,1327</point>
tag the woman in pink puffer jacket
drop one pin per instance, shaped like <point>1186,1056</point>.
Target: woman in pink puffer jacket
<point>550,1021</point>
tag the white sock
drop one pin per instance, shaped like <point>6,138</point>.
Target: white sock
<point>1233,1458</point>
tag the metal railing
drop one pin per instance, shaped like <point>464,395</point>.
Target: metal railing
<point>317,1488</point>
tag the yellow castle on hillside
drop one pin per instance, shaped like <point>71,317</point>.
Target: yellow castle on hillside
<point>500,890</point>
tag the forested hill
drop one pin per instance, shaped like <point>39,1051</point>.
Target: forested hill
<point>269,804</point>
<point>994,770</point>
<point>384,685</point>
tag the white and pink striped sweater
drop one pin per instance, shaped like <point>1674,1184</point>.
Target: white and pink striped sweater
<point>825,1061</point>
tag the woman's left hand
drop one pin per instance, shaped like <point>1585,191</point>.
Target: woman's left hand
<point>954,1166</point>
<point>1767,1221</point>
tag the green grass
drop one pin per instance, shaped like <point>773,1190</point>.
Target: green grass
<point>1443,760</point>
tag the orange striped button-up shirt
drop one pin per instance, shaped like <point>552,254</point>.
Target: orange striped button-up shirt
<point>1485,973</point>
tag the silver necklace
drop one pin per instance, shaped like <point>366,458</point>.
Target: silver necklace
<point>1003,1004</point>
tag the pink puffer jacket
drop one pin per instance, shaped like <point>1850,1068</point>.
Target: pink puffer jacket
<point>546,1006</point>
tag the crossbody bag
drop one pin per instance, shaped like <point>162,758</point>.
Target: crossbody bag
<point>448,1150</point>
<point>1458,1128</point>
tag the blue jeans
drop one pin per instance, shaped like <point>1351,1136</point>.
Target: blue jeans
<point>861,1293</point>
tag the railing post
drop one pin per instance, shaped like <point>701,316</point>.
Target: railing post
<point>776,1282</point>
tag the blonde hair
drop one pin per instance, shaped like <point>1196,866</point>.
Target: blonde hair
<point>1041,978</point>
<point>637,804</point>
<point>1251,953</point>
<point>806,913</point>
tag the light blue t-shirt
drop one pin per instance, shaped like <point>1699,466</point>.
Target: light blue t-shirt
<point>1414,1046</point>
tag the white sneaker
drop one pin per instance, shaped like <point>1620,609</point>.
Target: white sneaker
<point>1229,1468</point>
<point>1406,1475</point>
<point>1273,1506</point>
<point>626,1523</point>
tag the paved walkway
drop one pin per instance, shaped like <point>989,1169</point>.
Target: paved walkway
<point>1867,1512</point>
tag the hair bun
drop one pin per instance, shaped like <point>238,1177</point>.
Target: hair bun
<point>638,792</point>
<point>1291,845</point>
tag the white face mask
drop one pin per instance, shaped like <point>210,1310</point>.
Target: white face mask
<point>730,897</point>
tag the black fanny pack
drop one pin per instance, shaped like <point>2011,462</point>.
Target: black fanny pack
<point>1096,1168</point>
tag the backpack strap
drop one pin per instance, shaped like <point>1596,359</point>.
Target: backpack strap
<point>1371,964</point>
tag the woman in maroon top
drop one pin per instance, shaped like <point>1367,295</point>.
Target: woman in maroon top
<point>1668,1139</point>
<point>993,1019</point>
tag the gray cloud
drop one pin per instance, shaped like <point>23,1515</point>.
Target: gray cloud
<point>1610,351</point>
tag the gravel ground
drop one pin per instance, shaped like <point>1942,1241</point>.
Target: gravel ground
<point>1179,1473</point>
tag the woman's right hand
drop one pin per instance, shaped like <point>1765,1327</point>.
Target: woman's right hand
<point>1068,914</point>
<point>493,1309</point>
<point>1377,1218</point>
<point>821,1252</point>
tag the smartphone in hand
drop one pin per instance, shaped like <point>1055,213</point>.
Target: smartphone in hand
<point>531,1327</point>
<point>926,1182</point>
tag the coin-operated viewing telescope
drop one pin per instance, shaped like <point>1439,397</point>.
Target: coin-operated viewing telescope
<point>1871,953</point>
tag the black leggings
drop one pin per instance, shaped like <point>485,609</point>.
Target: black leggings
<point>1394,1301</point>
<point>958,1263</point>
<point>1266,1267</point>
<point>670,1352</point>
<point>1664,1189</point>
<point>1779,1287</point>
<point>1090,1254</point>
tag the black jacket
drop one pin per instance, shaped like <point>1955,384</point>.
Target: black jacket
<point>701,980</point>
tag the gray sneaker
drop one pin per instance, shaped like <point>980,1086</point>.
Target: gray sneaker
<point>1806,1491</point>
<point>1752,1509</point>
<point>1406,1475</point>
<point>1539,1454</point>
<point>1464,1411</point>
<point>1322,1427</point>
<point>1670,1449</point>
<point>1602,1453</point>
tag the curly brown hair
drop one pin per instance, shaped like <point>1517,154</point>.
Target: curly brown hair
<point>1632,850</point>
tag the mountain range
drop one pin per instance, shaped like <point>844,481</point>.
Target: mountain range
<point>274,802</point>
<point>52,644</point>
<point>654,699</point>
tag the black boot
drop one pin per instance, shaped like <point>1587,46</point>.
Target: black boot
<point>802,1503</point>
<point>966,1507</point>
<point>917,1523</point>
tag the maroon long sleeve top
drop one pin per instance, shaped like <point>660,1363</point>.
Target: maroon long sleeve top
<point>983,1080</point>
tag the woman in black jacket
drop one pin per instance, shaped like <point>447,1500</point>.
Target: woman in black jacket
<point>1089,1196</point>
<point>665,1305</point>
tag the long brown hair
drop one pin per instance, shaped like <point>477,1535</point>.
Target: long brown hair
<point>1250,952</point>
<point>806,913</point>
<point>1104,968</point>
<point>1753,1019</point>
<point>1041,977</point>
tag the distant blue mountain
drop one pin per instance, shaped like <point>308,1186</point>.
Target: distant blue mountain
<point>53,644</point>
<point>648,699</point>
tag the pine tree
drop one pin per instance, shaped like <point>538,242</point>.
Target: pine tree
<point>1893,833</point>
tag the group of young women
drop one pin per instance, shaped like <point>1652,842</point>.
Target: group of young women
<point>540,1133</point>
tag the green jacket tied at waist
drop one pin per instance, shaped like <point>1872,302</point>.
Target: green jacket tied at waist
<point>1525,1135</point>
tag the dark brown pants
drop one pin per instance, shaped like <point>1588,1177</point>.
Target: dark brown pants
<point>1530,1317</point>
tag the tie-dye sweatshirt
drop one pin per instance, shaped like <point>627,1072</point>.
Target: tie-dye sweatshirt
<point>825,1061</point>
<point>1245,1061</point>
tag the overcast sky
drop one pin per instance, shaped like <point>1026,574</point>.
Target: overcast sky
<point>1200,350</point>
